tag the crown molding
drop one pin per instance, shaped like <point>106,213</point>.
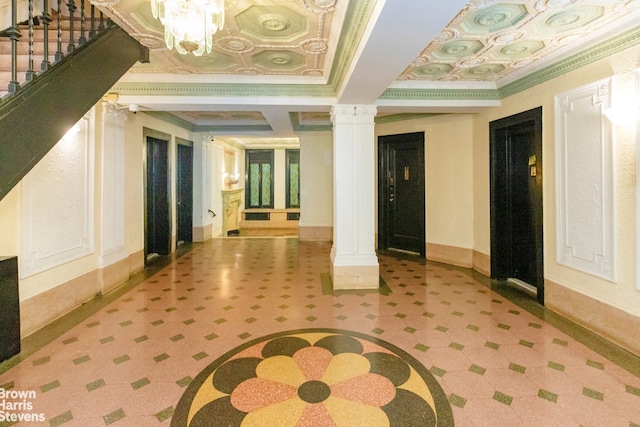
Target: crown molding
<point>441,94</point>
<point>212,89</point>
<point>297,127</point>
<point>602,50</point>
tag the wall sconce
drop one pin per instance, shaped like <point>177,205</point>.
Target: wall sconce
<point>622,116</point>
<point>230,179</point>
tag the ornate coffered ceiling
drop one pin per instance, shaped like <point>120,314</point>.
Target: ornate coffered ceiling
<point>490,39</point>
<point>260,38</point>
<point>278,66</point>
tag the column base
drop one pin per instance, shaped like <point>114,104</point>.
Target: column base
<point>354,273</point>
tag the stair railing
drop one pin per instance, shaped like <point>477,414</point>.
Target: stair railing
<point>43,23</point>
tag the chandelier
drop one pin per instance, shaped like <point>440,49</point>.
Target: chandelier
<point>189,25</point>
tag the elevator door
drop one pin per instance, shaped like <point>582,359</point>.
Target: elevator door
<point>184,194</point>
<point>401,193</point>
<point>157,215</point>
<point>516,200</point>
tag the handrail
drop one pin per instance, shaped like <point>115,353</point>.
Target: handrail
<point>42,23</point>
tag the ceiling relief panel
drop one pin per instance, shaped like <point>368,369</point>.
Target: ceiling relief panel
<point>490,39</point>
<point>266,37</point>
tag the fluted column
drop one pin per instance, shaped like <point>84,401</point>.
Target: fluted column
<point>113,260</point>
<point>354,264</point>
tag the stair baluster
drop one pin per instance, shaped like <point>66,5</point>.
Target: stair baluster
<point>33,28</point>
<point>46,19</point>
<point>59,53</point>
<point>72,9</point>
<point>14,36</point>
<point>92,26</point>
<point>82,38</point>
<point>31,74</point>
<point>101,25</point>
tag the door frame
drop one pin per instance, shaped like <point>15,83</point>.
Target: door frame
<point>384,233</point>
<point>181,145</point>
<point>146,134</point>
<point>499,174</point>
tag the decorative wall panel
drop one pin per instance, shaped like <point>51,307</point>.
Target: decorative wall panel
<point>585,227</point>
<point>57,203</point>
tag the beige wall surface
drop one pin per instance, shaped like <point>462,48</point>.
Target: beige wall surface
<point>10,223</point>
<point>622,294</point>
<point>316,179</point>
<point>448,175</point>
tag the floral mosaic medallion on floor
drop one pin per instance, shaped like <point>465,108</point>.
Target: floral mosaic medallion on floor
<point>314,377</point>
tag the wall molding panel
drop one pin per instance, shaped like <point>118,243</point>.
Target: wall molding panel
<point>57,203</point>
<point>584,183</point>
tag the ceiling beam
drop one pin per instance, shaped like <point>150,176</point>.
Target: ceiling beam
<point>397,33</point>
<point>279,120</point>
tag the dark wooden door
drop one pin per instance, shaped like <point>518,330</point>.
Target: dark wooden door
<point>157,215</point>
<point>184,194</point>
<point>401,193</point>
<point>516,199</point>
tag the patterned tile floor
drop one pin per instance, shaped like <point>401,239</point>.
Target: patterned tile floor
<point>126,359</point>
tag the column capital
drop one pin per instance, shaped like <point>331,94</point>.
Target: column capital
<point>112,114</point>
<point>353,113</point>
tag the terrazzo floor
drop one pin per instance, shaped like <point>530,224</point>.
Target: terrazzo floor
<point>128,358</point>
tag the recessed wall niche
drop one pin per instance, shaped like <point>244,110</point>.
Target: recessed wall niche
<point>584,184</point>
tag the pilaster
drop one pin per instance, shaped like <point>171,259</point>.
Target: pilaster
<point>354,264</point>
<point>113,247</point>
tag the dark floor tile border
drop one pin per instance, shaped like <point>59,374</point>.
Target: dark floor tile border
<point>605,348</point>
<point>57,328</point>
<point>402,255</point>
<point>327,288</point>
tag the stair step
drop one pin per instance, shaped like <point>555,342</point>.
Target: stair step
<point>38,48</point>
<point>23,63</point>
<point>22,54</point>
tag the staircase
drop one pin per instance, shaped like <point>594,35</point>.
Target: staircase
<point>47,87</point>
<point>60,41</point>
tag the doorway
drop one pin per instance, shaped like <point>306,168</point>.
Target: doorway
<point>516,201</point>
<point>157,212</point>
<point>184,193</point>
<point>401,193</point>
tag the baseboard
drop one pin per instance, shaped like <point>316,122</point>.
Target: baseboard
<point>113,275</point>
<point>460,257</point>
<point>136,262</point>
<point>42,309</point>
<point>317,234</point>
<point>482,263</point>
<point>610,322</point>
<point>202,234</point>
